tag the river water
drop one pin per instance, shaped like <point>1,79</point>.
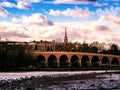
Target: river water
<point>18,75</point>
<point>108,82</point>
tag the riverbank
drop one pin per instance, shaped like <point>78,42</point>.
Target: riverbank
<point>64,81</point>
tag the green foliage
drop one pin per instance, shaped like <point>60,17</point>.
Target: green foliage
<point>14,57</point>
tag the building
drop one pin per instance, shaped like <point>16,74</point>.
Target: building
<point>39,45</point>
<point>49,46</point>
<point>65,38</point>
<point>42,45</point>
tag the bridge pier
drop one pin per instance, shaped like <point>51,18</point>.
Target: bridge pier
<point>58,64</point>
<point>100,64</point>
<point>80,63</point>
<point>90,63</point>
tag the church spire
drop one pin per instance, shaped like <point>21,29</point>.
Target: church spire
<point>65,33</point>
<point>65,37</point>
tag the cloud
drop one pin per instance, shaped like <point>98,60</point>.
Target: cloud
<point>38,27</point>
<point>34,19</point>
<point>77,31</point>
<point>103,28</point>
<point>77,12</point>
<point>23,5</point>
<point>115,20</point>
<point>20,4</point>
<point>3,12</point>
<point>100,4</point>
<point>7,4</point>
<point>71,1</point>
<point>15,34</point>
<point>108,11</point>
<point>30,1</point>
<point>26,4</point>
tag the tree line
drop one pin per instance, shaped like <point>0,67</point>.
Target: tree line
<point>13,57</point>
<point>89,48</point>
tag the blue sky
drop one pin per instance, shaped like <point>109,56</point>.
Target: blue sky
<point>89,20</point>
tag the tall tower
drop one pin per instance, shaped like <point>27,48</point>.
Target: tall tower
<point>65,38</point>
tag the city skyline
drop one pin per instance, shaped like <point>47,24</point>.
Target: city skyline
<point>84,20</point>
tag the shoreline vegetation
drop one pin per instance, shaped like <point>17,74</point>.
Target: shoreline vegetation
<point>59,80</point>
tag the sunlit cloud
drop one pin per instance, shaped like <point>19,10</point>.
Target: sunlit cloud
<point>77,31</point>
<point>77,12</point>
<point>115,20</point>
<point>35,19</point>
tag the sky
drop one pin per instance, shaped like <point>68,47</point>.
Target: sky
<point>84,20</point>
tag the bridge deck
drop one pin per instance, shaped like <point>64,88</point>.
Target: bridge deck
<point>82,53</point>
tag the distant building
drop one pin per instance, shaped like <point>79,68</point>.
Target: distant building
<point>49,46</point>
<point>42,45</point>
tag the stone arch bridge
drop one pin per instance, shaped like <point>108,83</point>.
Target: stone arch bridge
<point>74,59</point>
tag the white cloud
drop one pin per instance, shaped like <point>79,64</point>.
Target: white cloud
<point>100,4</point>
<point>26,4</point>
<point>108,11</point>
<point>35,19</point>
<point>3,12</point>
<point>77,12</point>
<point>23,5</point>
<point>30,1</point>
<point>7,4</point>
<point>20,4</point>
<point>113,19</point>
<point>71,1</point>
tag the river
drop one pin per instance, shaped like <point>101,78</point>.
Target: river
<point>18,75</point>
<point>16,81</point>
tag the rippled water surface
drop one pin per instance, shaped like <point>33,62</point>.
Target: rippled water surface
<point>15,81</point>
<point>18,75</point>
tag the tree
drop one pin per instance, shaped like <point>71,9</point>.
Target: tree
<point>93,49</point>
<point>114,49</point>
<point>85,47</point>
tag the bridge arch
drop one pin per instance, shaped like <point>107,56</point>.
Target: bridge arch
<point>52,61</point>
<point>74,61</point>
<point>95,61</point>
<point>41,62</point>
<point>63,61</point>
<point>115,62</point>
<point>85,62</point>
<point>105,61</point>
<point>85,59</point>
